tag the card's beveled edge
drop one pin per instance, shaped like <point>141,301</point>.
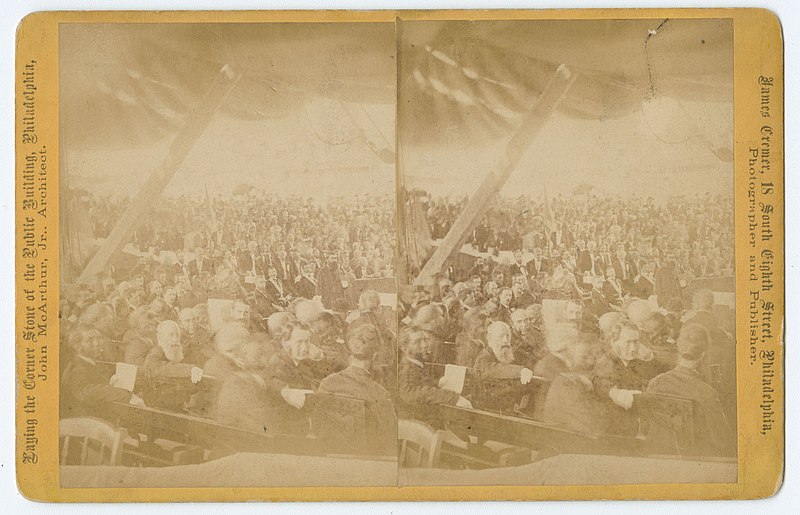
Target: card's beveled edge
<point>751,484</point>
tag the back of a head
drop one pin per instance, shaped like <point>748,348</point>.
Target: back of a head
<point>370,300</point>
<point>674,305</point>
<point>607,321</point>
<point>78,335</point>
<point>230,337</point>
<point>519,314</point>
<point>496,330</point>
<point>654,324</point>
<point>327,327</point>
<point>693,342</point>
<point>703,299</point>
<point>408,336</point>
<point>363,341</point>
<point>167,325</point>
<point>638,311</point>
<point>290,327</point>
<point>426,314</point>
<point>139,318</point>
<point>97,315</point>
<point>276,322</point>
<point>621,324</point>
<point>474,319</point>
<point>307,311</point>
<point>560,336</point>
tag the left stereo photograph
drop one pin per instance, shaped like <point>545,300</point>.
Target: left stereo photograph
<point>227,255</point>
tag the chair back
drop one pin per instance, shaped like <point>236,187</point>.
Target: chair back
<point>90,441</point>
<point>416,441</point>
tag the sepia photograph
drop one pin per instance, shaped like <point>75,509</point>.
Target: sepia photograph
<point>566,252</point>
<point>227,310</point>
<point>399,255</point>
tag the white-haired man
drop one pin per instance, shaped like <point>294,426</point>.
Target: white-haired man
<point>167,359</point>
<point>500,376</point>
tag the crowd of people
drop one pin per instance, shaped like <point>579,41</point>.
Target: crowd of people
<point>236,310</point>
<point>571,326</point>
<point>586,234</point>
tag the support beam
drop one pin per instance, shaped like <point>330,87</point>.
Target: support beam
<point>483,197</point>
<point>159,178</point>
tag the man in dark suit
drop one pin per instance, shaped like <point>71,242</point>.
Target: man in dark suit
<point>363,270</point>
<point>85,388</point>
<point>263,304</point>
<point>329,283</point>
<point>644,283</point>
<point>288,382</point>
<point>263,260</point>
<point>245,257</point>
<point>561,236</point>
<point>719,365</point>
<point>201,263</point>
<point>275,288</point>
<point>500,374</point>
<point>417,383</point>
<point>590,261</point>
<point>713,433</point>
<point>612,289</point>
<point>306,285</point>
<point>358,382</point>
<point>538,265</point>
<point>295,267</point>
<point>281,265</point>
<point>624,267</point>
<point>598,303</point>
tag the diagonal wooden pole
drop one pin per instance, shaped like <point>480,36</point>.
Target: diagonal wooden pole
<point>483,197</point>
<point>151,191</point>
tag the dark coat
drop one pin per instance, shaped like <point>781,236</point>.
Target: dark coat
<point>85,389</point>
<point>418,386</point>
<point>572,404</point>
<point>305,288</point>
<point>279,373</point>
<point>713,433</point>
<point>243,402</point>
<point>381,420</point>
<point>137,347</point>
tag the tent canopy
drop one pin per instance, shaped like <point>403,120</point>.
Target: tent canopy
<point>652,98</point>
<point>313,96</point>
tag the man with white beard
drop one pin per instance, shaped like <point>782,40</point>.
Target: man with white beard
<point>497,360</point>
<point>502,381</point>
<point>165,360</point>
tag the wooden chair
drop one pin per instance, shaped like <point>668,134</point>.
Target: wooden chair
<point>99,442</point>
<point>416,441</point>
<point>421,445</point>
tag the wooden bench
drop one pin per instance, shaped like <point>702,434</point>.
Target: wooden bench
<point>342,434</point>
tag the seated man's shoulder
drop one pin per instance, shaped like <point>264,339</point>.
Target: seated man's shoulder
<point>335,383</point>
<point>606,364</point>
